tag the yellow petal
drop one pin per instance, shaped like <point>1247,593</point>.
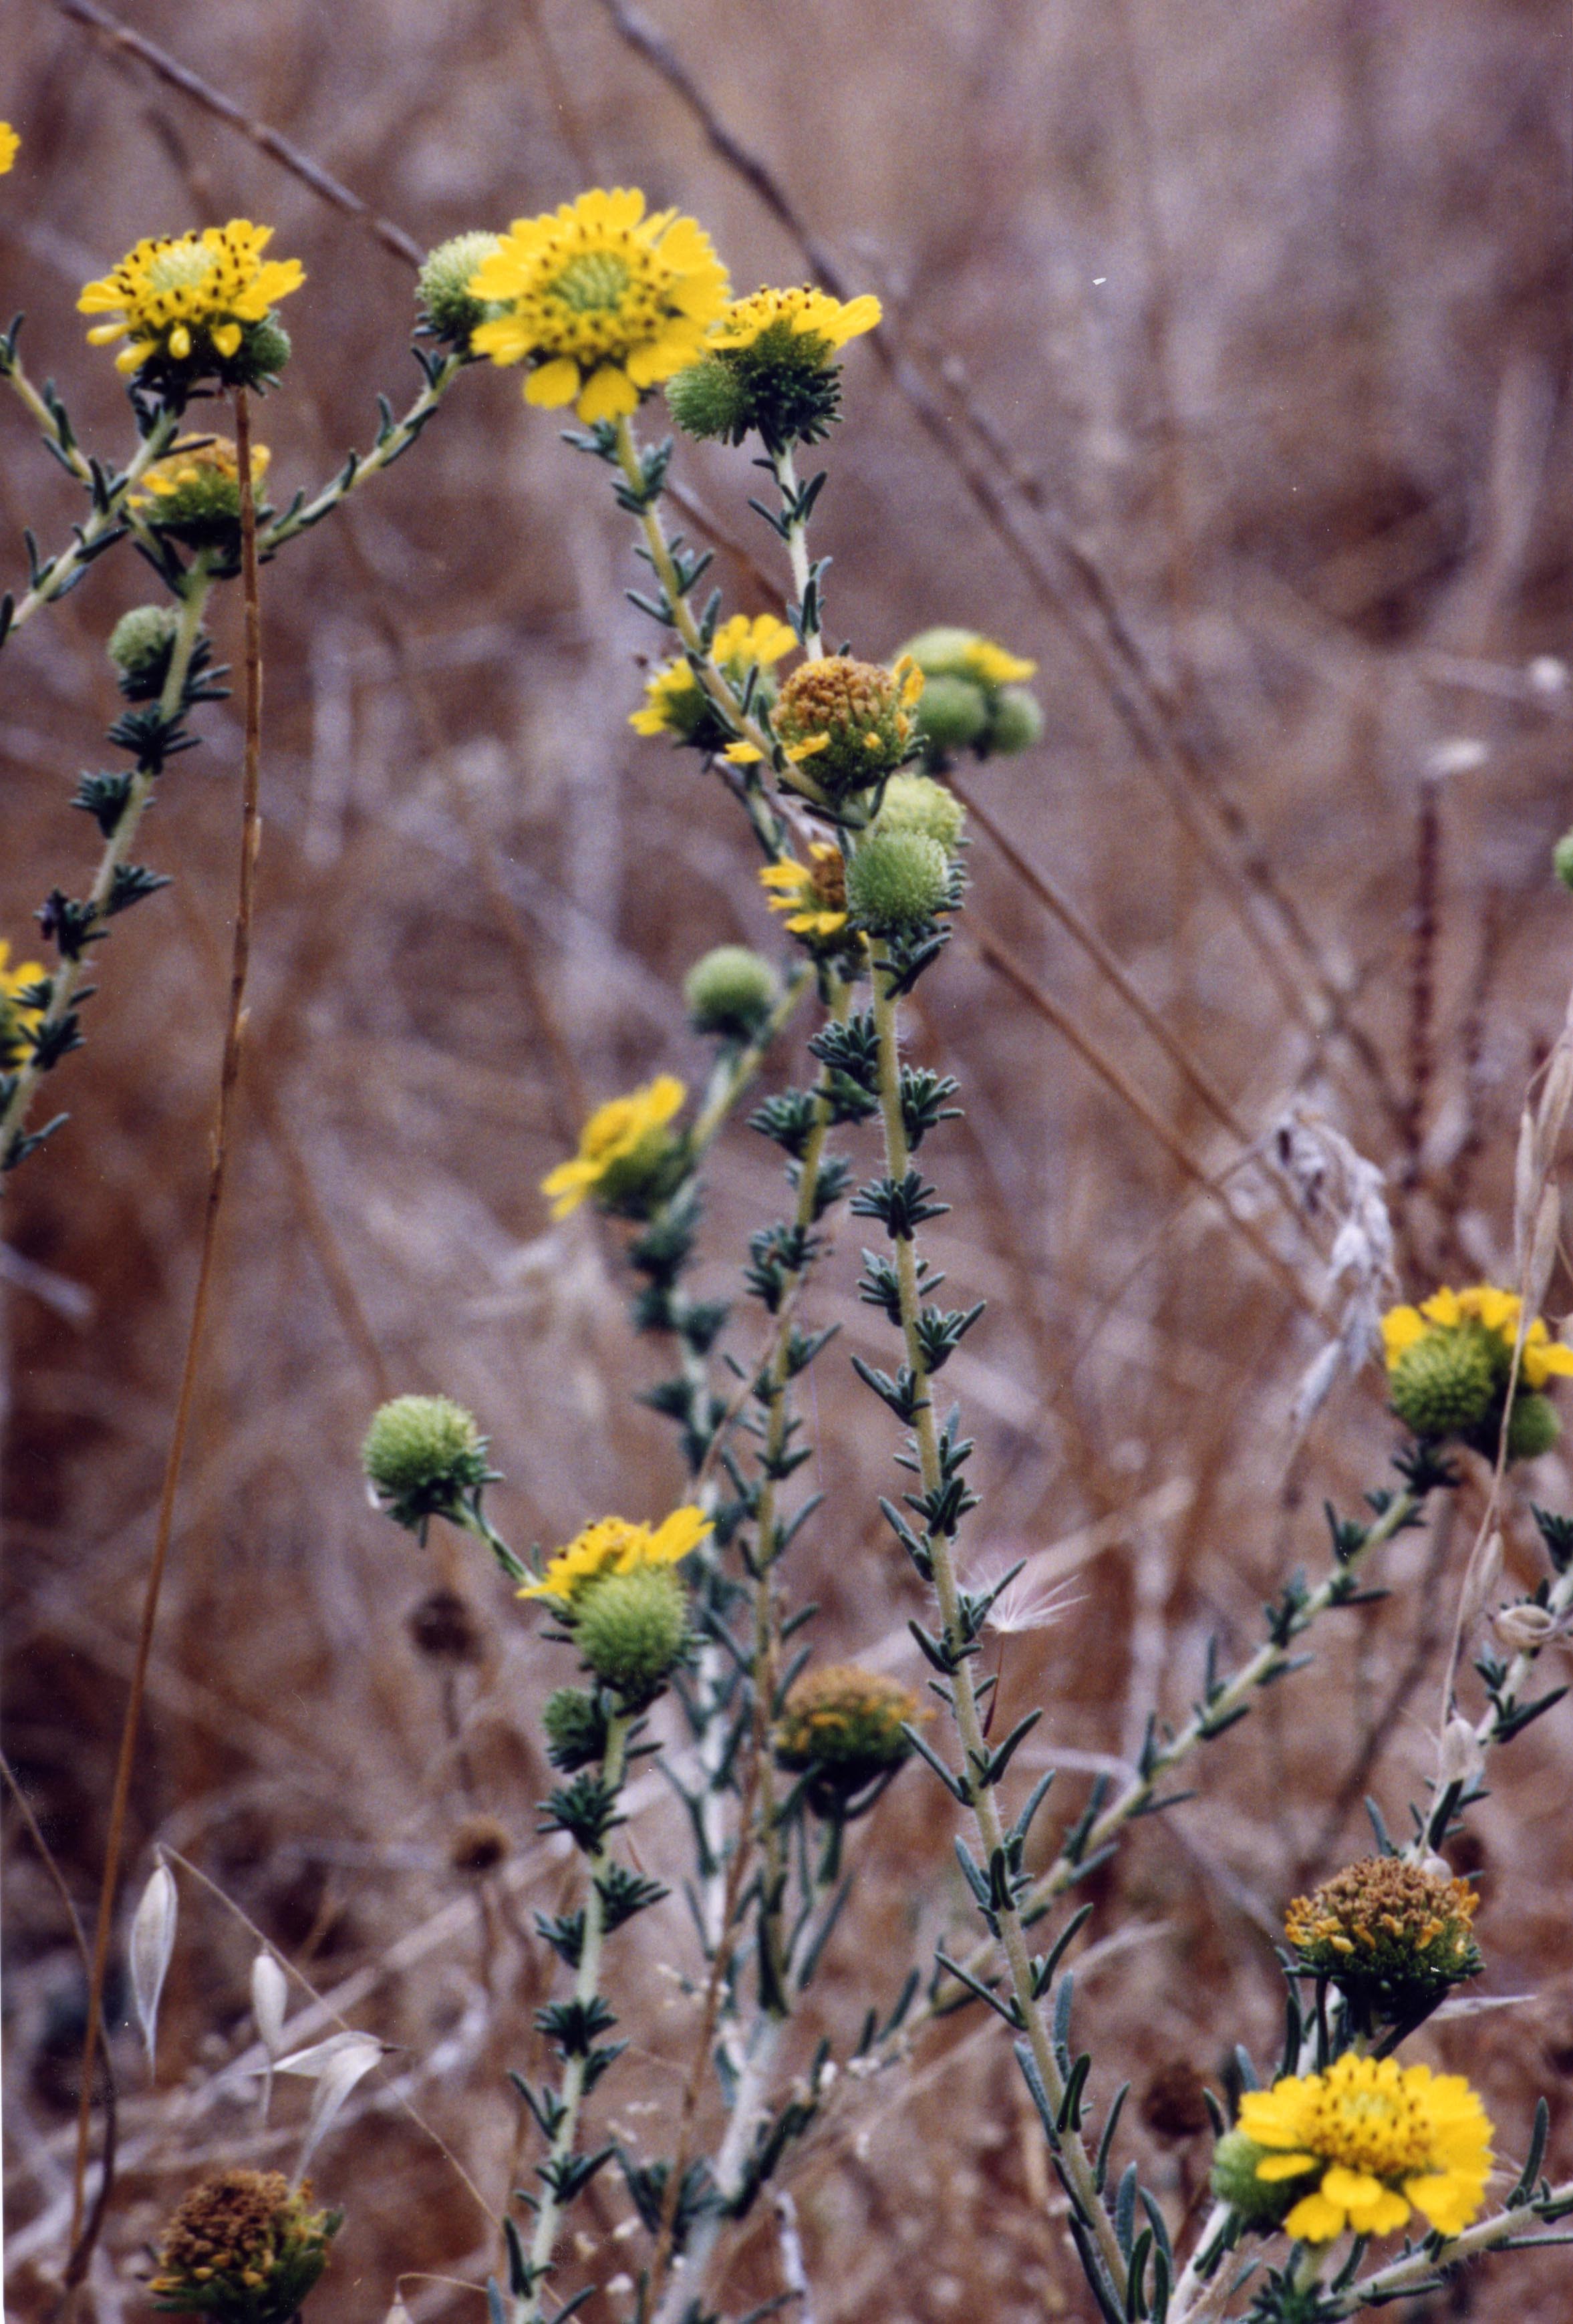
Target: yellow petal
<point>609,394</point>
<point>1315,2221</point>
<point>227,339</point>
<point>1400,1328</point>
<point>1284,2166</point>
<point>742,754</point>
<point>552,384</point>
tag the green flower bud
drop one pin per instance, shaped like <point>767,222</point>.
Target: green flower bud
<point>422,1455</point>
<point>917,803</point>
<point>443,286</point>
<point>1562,859</point>
<point>265,348</point>
<point>1262,2203</point>
<point>631,1629</point>
<point>1532,1426</point>
<point>575,1728</point>
<point>1446,1383</point>
<point>730,991</point>
<point>896,881</point>
<point>952,712</point>
<point>140,646</point>
<point>243,2247</point>
<point>1018,722</point>
<point>708,400</point>
<point>944,651</point>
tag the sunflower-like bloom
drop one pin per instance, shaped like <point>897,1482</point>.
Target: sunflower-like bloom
<point>16,1020</point>
<point>622,1148</point>
<point>769,365</point>
<point>186,300</point>
<point>10,143</point>
<point>613,1546</point>
<point>677,704</point>
<point>814,895</point>
<point>1379,2137</point>
<point>599,300</point>
<point>799,314</point>
<point>1496,1311</point>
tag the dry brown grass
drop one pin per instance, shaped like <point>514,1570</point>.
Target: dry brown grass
<point>1243,338</point>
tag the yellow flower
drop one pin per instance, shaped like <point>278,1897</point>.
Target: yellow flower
<point>1495,1311</point>
<point>805,314</point>
<point>617,1138</point>
<point>1384,2136</point>
<point>188,297</point>
<point>676,702</point>
<point>601,301</point>
<point>613,1546</point>
<point>814,895</point>
<point>194,490</point>
<point>992,665</point>
<point>9,142</point>
<point>14,1019</point>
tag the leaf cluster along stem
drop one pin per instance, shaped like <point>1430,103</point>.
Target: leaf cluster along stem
<point>529,2307</point>
<point>67,977</point>
<point>394,436</point>
<point>707,670</point>
<point>106,519</point>
<point>796,538</point>
<point>1070,2157</point>
<point>774,1393</point>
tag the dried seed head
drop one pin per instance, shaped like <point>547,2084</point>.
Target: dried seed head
<point>1459,1756</point>
<point>243,2247</point>
<point>152,1943</point>
<point>842,1727</point>
<point>1175,2102</point>
<point>851,719</point>
<point>1525,1628</point>
<point>1390,1935</point>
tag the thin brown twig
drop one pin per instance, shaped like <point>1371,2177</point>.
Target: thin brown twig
<point>229,1075</point>
<point>82,2250</point>
<point>1422,974</point>
<point>116,35</point>
<point>1004,962</point>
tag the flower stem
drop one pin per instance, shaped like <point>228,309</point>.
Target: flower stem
<point>785,472</point>
<point>395,437</point>
<point>530,2310</point>
<point>108,511</point>
<point>68,977</point>
<point>1070,2155</point>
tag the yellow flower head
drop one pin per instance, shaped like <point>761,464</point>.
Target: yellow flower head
<point>599,300</point>
<point>1494,1310</point>
<point>194,490</point>
<point>184,299</point>
<point>1381,2137</point>
<point>613,1546</point>
<point>16,1021</point>
<point>9,144</point>
<point>800,314</point>
<point>813,896</point>
<point>619,1147</point>
<point>676,702</point>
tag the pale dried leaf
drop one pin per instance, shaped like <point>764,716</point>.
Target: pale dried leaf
<point>152,1942</point>
<point>334,2081</point>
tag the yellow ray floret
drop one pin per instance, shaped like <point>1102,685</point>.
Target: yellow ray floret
<point>1497,1312</point>
<point>176,296</point>
<point>673,697</point>
<point>1384,2138</point>
<point>599,300</point>
<point>805,313</point>
<point>993,665</point>
<point>613,1546</point>
<point>613,1134</point>
<point>814,895</point>
<point>9,143</point>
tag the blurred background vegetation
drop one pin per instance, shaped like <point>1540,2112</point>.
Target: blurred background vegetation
<point>1227,373</point>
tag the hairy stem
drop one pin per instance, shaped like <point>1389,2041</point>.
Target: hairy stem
<point>68,977</point>
<point>1070,2156</point>
<point>61,571</point>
